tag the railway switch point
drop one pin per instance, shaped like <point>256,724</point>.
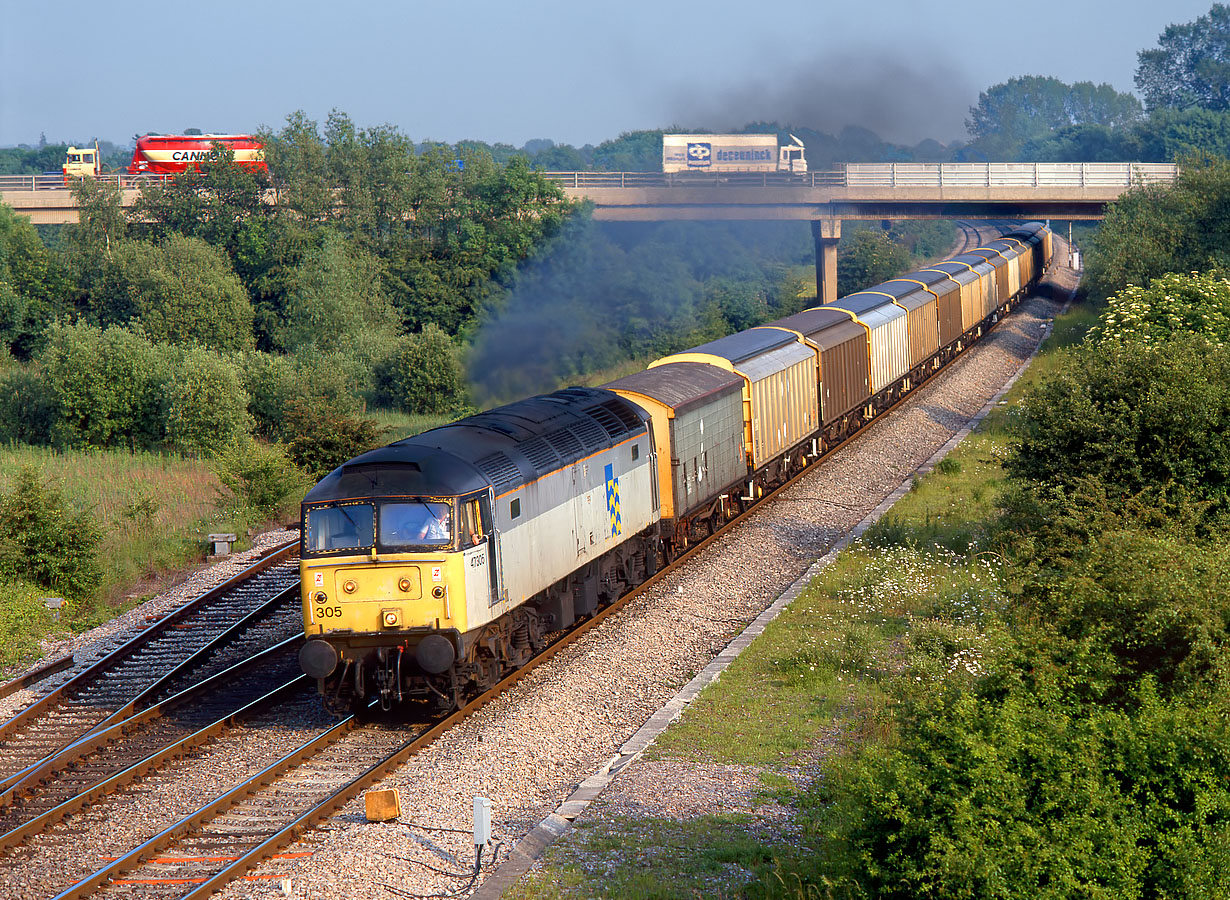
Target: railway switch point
<point>222,543</point>
<point>383,806</point>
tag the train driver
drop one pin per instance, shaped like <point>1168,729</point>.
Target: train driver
<point>435,529</point>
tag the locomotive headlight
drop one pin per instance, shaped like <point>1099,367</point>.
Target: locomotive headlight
<point>350,587</point>
<point>320,596</point>
<point>390,618</point>
<point>438,591</point>
<point>404,585</point>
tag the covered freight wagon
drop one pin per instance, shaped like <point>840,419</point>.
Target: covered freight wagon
<point>780,401</point>
<point>697,415</point>
<point>887,336</point>
<point>843,365</point>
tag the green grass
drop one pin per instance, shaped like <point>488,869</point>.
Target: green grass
<point>155,512</point>
<point>400,425</point>
<point>658,859</point>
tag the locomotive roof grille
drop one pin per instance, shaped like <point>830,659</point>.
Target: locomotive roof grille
<point>624,413</point>
<point>609,421</point>
<point>503,473</point>
<point>590,435</point>
<point>566,444</point>
<point>542,456</point>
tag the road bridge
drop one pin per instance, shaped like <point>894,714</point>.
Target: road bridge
<point>852,191</point>
<point>886,191</point>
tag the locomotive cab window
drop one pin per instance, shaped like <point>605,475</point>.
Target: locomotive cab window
<point>514,509</point>
<point>346,526</point>
<point>636,452</point>
<point>475,520</point>
<point>416,523</point>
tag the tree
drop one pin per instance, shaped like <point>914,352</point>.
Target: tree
<point>1155,229</point>
<point>1010,114</point>
<point>181,291</point>
<point>33,285</point>
<point>205,407</point>
<point>424,375</point>
<point>336,302</point>
<point>867,258</point>
<point>1191,65</point>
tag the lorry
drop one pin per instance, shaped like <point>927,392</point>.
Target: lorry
<point>169,154</point>
<point>722,153</point>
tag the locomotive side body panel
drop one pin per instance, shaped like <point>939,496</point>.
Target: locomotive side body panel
<point>572,516</point>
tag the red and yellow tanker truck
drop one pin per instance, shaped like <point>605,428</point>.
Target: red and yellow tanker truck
<point>170,154</point>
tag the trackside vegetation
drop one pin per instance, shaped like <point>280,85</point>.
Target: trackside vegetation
<point>1015,685</point>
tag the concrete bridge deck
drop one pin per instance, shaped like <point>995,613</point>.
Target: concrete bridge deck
<point>867,191</point>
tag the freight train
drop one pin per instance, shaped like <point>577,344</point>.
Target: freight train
<point>433,566</point>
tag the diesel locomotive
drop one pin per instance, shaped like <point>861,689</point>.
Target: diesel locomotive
<point>433,566</point>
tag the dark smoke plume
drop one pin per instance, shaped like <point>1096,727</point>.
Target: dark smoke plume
<point>895,92</point>
<point>608,294</point>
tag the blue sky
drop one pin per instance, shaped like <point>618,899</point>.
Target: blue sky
<point>574,72</point>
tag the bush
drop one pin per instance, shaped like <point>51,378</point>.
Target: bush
<point>205,405</point>
<point>24,619</point>
<point>1172,304</point>
<point>1027,795</point>
<point>276,383</point>
<point>259,477</point>
<point>424,375</point>
<point>322,435</point>
<point>29,409</point>
<point>108,385</point>
<point>44,541</point>
<point>1134,420</point>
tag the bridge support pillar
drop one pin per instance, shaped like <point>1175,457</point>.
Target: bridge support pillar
<point>826,233</point>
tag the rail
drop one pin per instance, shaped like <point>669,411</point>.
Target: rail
<point>894,175</point>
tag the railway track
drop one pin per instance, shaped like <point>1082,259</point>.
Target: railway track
<point>197,640</point>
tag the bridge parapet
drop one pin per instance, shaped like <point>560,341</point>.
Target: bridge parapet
<point>893,175</point>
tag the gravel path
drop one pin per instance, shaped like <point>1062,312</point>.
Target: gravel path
<point>529,749</point>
